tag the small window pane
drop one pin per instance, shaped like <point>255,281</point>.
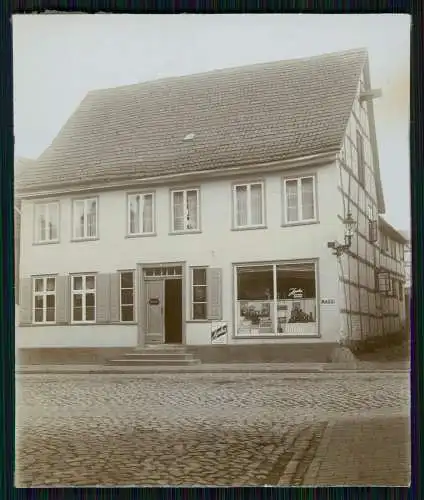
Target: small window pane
<point>178,208</point>
<point>241,206</point>
<point>92,219</point>
<point>89,313</point>
<point>256,204</point>
<point>38,315</point>
<point>89,299</point>
<point>77,300</point>
<point>199,294</point>
<point>134,214</point>
<point>199,311</point>
<point>50,314</point>
<point>77,282</point>
<point>126,280</point>
<point>38,301</point>
<point>53,212</point>
<point>50,300</point>
<point>51,282</point>
<point>192,214</point>
<point>308,208</point>
<point>39,285</point>
<point>126,296</point>
<point>147,213</point>
<point>79,222</point>
<point>199,276</point>
<point>127,313</point>
<point>291,201</point>
<point>77,313</point>
<point>90,282</point>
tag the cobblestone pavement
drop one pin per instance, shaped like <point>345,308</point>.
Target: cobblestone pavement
<point>194,429</point>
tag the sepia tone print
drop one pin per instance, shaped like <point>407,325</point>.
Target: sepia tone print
<point>208,288</point>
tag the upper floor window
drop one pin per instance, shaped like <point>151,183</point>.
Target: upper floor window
<point>140,214</point>
<point>83,298</point>
<point>185,210</point>
<point>46,222</point>
<point>85,218</point>
<point>300,199</point>
<point>249,209</point>
<point>361,158</point>
<point>44,300</point>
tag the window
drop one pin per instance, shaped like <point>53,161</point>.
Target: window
<point>85,218</point>
<point>46,222</point>
<point>372,225</point>
<point>83,299</point>
<point>44,305</point>
<point>199,293</point>
<point>276,299</point>
<point>127,296</point>
<point>300,199</point>
<point>361,158</point>
<point>140,214</point>
<point>249,204</point>
<point>185,210</point>
<point>401,292</point>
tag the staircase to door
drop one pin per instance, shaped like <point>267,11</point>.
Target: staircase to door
<point>157,355</point>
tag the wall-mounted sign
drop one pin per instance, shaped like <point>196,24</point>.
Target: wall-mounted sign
<point>219,332</point>
<point>154,301</point>
<point>328,301</point>
<point>295,293</point>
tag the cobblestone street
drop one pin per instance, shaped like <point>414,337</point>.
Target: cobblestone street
<point>196,429</point>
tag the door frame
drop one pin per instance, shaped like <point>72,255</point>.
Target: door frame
<point>141,283</point>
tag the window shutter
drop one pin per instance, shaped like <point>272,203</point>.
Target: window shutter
<point>25,309</point>
<point>63,299</point>
<point>214,282</point>
<point>103,290</point>
<point>373,234</point>
<point>115,290</point>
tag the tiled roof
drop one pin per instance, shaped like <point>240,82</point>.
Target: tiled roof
<point>392,232</point>
<point>238,116</point>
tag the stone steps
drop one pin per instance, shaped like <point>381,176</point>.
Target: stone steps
<point>158,355</point>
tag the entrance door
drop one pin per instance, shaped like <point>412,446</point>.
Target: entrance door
<point>154,312</point>
<point>173,311</point>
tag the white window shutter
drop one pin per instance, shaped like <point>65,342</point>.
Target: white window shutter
<point>63,299</point>
<point>115,302</point>
<point>103,291</point>
<point>25,308</point>
<point>214,289</point>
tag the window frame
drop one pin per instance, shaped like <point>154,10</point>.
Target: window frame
<point>134,319</point>
<point>248,185</point>
<point>192,285</point>
<point>44,294</point>
<point>37,231</point>
<point>300,220</point>
<point>83,292</point>
<point>185,193</point>
<point>140,221</point>
<point>86,201</point>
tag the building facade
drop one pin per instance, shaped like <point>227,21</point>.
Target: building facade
<point>211,249</point>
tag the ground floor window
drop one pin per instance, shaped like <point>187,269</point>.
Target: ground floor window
<point>44,300</point>
<point>276,299</point>
<point>127,296</point>
<point>84,299</point>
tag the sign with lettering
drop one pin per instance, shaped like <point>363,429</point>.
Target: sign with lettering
<point>295,293</point>
<point>219,332</point>
<point>154,301</point>
<point>328,301</point>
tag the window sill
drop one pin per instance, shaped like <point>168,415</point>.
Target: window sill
<point>141,235</point>
<point>43,323</point>
<point>203,321</point>
<point>78,240</point>
<point>175,233</point>
<point>278,336</point>
<point>81,323</point>
<point>300,223</point>
<point>249,228</point>
<point>52,242</point>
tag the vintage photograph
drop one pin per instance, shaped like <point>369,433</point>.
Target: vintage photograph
<point>212,250</point>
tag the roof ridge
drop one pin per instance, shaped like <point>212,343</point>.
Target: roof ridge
<point>234,69</point>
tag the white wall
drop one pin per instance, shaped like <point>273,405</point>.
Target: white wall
<point>217,246</point>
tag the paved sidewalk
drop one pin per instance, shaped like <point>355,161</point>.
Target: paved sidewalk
<point>364,451</point>
<point>217,368</point>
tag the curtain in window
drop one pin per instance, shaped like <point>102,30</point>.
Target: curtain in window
<point>256,204</point>
<point>192,210</point>
<point>41,223</point>
<point>91,219</point>
<point>53,221</point>
<point>178,211</point>
<point>308,199</point>
<point>148,213</point>
<point>134,214</point>
<point>79,219</point>
<point>291,201</point>
<point>241,205</point>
